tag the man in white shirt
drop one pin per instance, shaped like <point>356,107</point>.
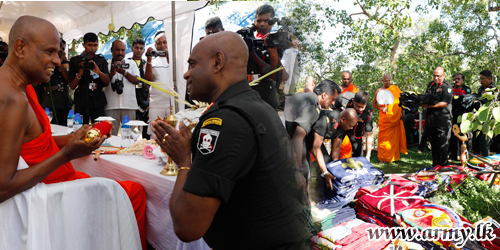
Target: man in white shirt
<point>159,102</point>
<point>121,92</point>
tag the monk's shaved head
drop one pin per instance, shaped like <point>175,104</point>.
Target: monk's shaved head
<point>28,28</point>
<point>217,62</point>
<point>34,49</point>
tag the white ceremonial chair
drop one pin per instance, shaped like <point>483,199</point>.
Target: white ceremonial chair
<point>92,213</point>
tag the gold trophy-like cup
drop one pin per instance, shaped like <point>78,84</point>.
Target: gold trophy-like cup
<point>170,168</point>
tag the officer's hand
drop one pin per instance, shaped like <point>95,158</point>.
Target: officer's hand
<point>185,131</point>
<point>95,69</point>
<point>328,180</point>
<point>177,147</point>
<point>81,66</point>
<point>148,52</point>
<point>77,147</point>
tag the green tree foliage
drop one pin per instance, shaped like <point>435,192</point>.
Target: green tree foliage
<point>381,37</point>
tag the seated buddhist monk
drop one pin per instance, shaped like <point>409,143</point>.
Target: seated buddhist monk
<point>25,128</point>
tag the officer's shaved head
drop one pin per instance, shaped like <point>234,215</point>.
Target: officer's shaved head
<point>29,29</point>
<point>348,119</point>
<point>217,62</point>
<point>231,45</point>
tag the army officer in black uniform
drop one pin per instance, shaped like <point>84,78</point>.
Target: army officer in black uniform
<point>240,184</point>
<point>439,117</point>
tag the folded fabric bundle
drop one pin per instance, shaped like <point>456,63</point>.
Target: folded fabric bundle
<point>341,212</point>
<point>380,206</point>
<point>494,244</point>
<point>351,174</point>
<point>352,235</point>
<point>403,183</point>
<point>322,243</point>
<point>429,215</point>
<point>367,190</point>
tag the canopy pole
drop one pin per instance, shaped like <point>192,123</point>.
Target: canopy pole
<point>174,55</point>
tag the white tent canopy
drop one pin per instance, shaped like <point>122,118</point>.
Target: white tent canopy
<point>75,18</point>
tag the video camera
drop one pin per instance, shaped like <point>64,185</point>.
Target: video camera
<point>122,65</point>
<point>155,53</point>
<point>87,64</point>
<point>280,38</point>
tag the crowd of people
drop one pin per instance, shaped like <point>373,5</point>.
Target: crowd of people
<point>259,178</point>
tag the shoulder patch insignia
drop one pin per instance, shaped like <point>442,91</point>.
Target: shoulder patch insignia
<point>213,120</point>
<point>449,90</point>
<point>327,120</point>
<point>207,140</point>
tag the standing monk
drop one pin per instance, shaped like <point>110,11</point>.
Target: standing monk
<point>391,133</point>
<point>347,86</point>
<point>26,131</point>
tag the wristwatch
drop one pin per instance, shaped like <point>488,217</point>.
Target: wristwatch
<point>323,174</point>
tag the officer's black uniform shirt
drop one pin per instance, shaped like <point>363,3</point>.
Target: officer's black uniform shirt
<point>60,97</point>
<point>457,107</point>
<point>342,100</point>
<point>84,97</point>
<point>365,120</point>
<point>442,93</point>
<point>327,126</point>
<point>301,109</point>
<point>482,89</point>
<point>253,182</point>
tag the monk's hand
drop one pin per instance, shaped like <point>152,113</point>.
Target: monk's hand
<point>385,109</point>
<point>328,180</point>
<point>177,146</point>
<point>77,147</point>
<point>109,133</point>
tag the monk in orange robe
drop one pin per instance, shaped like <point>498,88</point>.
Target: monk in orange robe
<point>346,147</point>
<point>33,55</point>
<point>391,134</point>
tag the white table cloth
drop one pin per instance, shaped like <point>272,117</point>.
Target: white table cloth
<point>92,214</point>
<point>159,227</point>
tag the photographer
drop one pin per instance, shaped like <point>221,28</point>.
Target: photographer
<point>121,96</point>
<point>159,102</point>
<point>89,72</point>
<point>213,25</point>
<point>264,59</point>
<point>142,89</point>
<point>54,94</point>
